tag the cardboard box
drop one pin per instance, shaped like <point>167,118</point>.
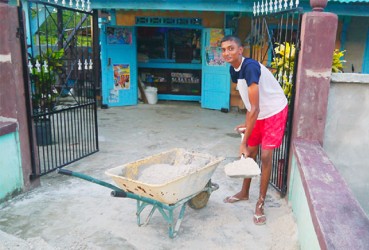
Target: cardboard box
<point>234,90</point>
<point>236,100</point>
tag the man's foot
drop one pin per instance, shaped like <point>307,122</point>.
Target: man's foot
<point>259,216</point>
<point>234,198</point>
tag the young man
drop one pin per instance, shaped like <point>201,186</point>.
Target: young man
<point>266,116</point>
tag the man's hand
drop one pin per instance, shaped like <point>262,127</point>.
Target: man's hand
<point>243,150</point>
<point>240,128</point>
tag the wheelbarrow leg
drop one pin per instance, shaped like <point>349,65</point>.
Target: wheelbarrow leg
<point>167,211</point>
<point>179,221</point>
<point>173,229</point>
<point>140,207</point>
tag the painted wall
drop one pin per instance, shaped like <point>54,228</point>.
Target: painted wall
<point>346,139</point>
<point>299,203</point>
<point>357,32</point>
<point>12,90</point>
<point>11,177</point>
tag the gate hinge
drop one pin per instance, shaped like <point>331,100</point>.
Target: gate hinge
<point>19,33</point>
<point>33,176</point>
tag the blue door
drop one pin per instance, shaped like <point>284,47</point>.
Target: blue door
<point>119,66</point>
<point>216,83</point>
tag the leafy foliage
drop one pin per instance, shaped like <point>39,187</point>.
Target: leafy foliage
<point>284,61</point>
<point>48,33</point>
<point>44,79</point>
<point>337,64</point>
<point>283,64</point>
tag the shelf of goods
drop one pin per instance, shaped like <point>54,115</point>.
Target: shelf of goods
<point>173,84</point>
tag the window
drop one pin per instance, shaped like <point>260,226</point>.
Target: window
<point>179,44</point>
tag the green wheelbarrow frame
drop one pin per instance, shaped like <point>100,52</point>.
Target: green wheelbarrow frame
<point>195,201</point>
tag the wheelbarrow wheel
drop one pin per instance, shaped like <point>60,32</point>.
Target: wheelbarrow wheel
<point>199,201</point>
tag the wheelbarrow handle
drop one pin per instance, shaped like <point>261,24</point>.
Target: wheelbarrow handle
<point>64,171</point>
<point>91,179</point>
<point>120,194</point>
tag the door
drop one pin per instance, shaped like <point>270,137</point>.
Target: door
<point>119,66</point>
<point>216,83</point>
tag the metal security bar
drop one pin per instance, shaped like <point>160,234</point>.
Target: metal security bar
<point>62,48</point>
<point>274,41</point>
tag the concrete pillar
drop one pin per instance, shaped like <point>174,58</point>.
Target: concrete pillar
<point>318,35</point>
<point>12,91</point>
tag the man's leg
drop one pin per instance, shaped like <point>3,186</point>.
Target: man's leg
<point>273,131</point>
<point>266,163</point>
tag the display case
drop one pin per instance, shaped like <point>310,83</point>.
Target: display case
<point>185,82</point>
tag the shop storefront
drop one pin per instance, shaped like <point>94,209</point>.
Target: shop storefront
<point>175,52</point>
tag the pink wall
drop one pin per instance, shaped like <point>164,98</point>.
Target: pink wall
<point>12,94</point>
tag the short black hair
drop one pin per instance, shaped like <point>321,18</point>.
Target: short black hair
<point>233,38</point>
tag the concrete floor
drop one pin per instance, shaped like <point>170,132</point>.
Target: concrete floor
<point>69,213</point>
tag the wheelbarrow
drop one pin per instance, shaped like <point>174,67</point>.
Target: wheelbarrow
<point>191,187</point>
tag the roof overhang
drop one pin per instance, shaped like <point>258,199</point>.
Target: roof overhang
<point>339,7</point>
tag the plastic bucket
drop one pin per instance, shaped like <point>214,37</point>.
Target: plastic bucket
<point>151,95</point>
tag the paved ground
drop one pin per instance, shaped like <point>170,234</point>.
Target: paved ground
<point>69,213</point>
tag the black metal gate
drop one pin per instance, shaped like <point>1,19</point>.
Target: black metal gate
<point>274,41</point>
<point>62,57</point>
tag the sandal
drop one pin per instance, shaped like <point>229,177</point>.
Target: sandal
<point>233,199</point>
<point>260,219</point>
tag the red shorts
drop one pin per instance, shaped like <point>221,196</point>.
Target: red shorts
<point>269,132</point>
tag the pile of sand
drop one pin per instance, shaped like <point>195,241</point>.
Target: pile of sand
<point>163,173</point>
